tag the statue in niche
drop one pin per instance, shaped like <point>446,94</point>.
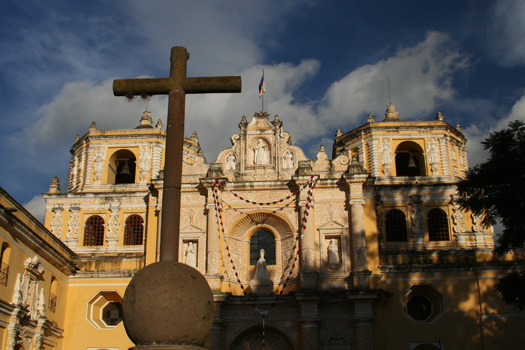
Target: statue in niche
<point>191,255</point>
<point>261,282</point>
<point>261,271</point>
<point>433,156</point>
<point>261,153</point>
<point>386,155</point>
<point>230,162</point>
<point>333,252</point>
<point>288,160</point>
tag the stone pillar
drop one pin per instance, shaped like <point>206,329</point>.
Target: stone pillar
<point>418,228</point>
<point>309,321</point>
<point>213,272</point>
<point>308,273</point>
<point>360,272</point>
<point>213,340</point>
<point>363,326</point>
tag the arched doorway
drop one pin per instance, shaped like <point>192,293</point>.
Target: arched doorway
<point>251,339</point>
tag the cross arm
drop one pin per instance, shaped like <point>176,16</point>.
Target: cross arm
<point>153,86</point>
<point>162,86</point>
<point>212,84</point>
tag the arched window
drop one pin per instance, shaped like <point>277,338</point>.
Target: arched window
<point>409,159</point>
<point>4,266</point>
<point>52,305</point>
<point>94,231</point>
<point>262,239</point>
<point>396,226</point>
<point>134,230</point>
<point>437,225</point>
<point>122,166</point>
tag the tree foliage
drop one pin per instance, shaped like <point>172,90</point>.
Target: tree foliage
<point>512,289</point>
<point>496,189</point>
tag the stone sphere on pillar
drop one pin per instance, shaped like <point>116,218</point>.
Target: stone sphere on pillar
<point>168,303</point>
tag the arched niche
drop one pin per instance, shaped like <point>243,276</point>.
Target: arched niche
<point>251,338</point>
<point>243,229</point>
<point>410,159</point>
<point>122,167</point>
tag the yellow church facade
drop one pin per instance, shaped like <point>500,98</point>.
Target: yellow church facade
<point>363,249</point>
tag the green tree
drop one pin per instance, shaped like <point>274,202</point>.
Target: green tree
<point>496,189</point>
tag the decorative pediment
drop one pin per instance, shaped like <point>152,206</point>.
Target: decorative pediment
<point>262,150</point>
<point>191,229</point>
<point>332,225</point>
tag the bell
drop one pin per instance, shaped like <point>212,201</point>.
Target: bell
<point>125,169</point>
<point>411,163</point>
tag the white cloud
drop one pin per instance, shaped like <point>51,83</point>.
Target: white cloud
<point>506,33</point>
<point>477,133</point>
<point>37,207</point>
<point>76,106</point>
<point>222,37</point>
<point>420,79</point>
<point>422,76</point>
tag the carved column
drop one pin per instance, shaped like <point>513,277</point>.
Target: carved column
<point>360,272</point>
<point>213,340</point>
<point>418,229</point>
<point>72,226</point>
<point>308,272</point>
<point>213,272</point>
<point>363,324</point>
<point>458,218</point>
<point>443,145</point>
<point>112,235</point>
<point>309,321</point>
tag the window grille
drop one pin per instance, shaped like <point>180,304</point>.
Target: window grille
<point>262,239</point>
<point>396,226</point>
<point>4,272</point>
<point>437,225</point>
<point>134,230</point>
<point>52,302</point>
<point>94,231</point>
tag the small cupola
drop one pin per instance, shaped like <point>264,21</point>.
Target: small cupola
<point>146,122</point>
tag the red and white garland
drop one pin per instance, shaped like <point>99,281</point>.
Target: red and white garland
<point>296,249</point>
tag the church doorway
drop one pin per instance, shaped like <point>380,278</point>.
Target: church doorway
<point>251,339</point>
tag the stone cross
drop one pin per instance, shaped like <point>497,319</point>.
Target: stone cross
<point>176,86</point>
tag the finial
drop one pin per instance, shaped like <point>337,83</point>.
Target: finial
<point>93,127</point>
<point>77,138</point>
<point>391,112</point>
<point>338,133</point>
<point>370,118</point>
<point>146,121</point>
<point>54,186</point>
<point>458,127</point>
<point>321,155</point>
<point>439,116</point>
<point>194,136</point>
<point>159,124</point>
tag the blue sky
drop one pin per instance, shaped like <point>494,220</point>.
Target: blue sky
<point>326,67</point>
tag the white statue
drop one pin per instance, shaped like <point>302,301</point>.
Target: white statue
<point>433,155</point>
<point>333,252</point>
<point>386,155</point>
<point>191,256</point>
<point>261,153</point>
<point>288,160</point>
<point>261,271</point>
<point>230,162</point>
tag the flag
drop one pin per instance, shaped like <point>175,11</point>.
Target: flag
<point>262,89</point>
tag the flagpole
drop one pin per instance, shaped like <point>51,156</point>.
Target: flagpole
<point>262,99</point>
